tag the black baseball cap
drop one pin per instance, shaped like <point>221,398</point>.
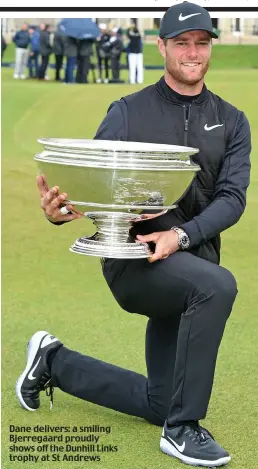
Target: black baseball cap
<point>184,17</point>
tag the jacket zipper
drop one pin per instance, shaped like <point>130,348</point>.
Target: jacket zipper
<point>186,122</point>
<point>187,110</point>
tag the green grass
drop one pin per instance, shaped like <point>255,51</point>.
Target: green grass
<point>223,56</point>
<point>44,286</point>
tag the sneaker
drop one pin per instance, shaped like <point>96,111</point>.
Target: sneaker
<point>98,80</point>
<point>106,81</point>
<point>23,77</point>
<point>193,445</point>
<point>16,77</point>
<point>36,376</point>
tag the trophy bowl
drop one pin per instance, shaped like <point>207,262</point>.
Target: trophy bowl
<point>114,181</point>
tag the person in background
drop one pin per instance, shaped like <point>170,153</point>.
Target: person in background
<point>120,31</point>
<point>83,60</point>
<point>33,64</point>
<point>58,50</point>
<point>21,40</point>
<point>135,56</point>
<point>116,49</point>
<point>70,52</point>
<point>102,50</point>
<point>45,49</point>
<point>3,46</point>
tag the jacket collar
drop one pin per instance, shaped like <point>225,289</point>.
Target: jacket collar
<point>172,96</point>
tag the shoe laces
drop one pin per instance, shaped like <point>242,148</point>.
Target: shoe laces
<point>49,388</point>
<point>196,432</point>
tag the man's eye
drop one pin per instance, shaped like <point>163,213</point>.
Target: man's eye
<point>181,43</point>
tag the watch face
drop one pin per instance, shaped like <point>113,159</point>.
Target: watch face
<point>183,238</point>
<point>184,241</point>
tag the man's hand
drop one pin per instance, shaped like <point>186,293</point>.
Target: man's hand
<point>52,202</point>
<point>166,244</point>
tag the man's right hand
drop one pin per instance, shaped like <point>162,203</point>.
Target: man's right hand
<point>52,202</point>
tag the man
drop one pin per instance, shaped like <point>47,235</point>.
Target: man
<point>33,53</point>
<point>187,296</point>
<point>58,50</point>
<point>45,49</point>
<point>71,53</point>
<point>83,60</point>
<point>102,50</point>
<point>116,49</point>
<point>22,41</point>
<point>3,46</point>
<point>135,56</point>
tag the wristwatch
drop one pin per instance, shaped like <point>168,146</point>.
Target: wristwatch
<point>183,238</point>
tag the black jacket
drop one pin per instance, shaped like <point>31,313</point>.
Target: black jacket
<point>216,198</point>
<point>116,47</point>
<point>85,47</point>
<point>70,47</point>
<point>58,43</point>
<point>44,43</point>
<point>135,44</point>
<point>102,46</point>
<point>3,44</point>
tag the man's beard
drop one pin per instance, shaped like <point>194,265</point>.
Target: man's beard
<point>185,79</point>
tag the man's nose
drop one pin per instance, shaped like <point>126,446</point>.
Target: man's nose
<point>192,51</point>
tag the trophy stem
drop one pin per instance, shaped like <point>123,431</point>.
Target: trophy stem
<point>112,227</point>
<point>112,238</point>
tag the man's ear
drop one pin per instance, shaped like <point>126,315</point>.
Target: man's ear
<point>161,47</point>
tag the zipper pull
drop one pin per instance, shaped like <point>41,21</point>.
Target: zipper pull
<point>186,125</point>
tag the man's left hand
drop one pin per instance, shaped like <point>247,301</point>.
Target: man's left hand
<point>166,244</point>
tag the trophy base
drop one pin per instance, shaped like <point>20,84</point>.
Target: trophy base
<point>92,246</point>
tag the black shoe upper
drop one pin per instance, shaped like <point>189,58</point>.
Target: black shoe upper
<point>30,391</point>
<point>194,441</point>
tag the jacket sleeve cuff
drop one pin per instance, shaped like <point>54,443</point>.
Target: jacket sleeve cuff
<point>192,230</point>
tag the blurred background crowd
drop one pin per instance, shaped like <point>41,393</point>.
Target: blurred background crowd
<point>83,50</point>
<point>81,47</point>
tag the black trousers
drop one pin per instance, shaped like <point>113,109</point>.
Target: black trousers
<point>115,67</point>
<point>43,66</point>
<point>83,67</point>
<point>59,63</point>
<point>100,62</point>
<point>188,301</point>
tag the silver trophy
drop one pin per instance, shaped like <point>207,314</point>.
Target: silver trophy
<point>115,181</point>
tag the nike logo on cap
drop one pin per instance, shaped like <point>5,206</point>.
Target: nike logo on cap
<point>183,18</point>
<point>179,447</point>
<point>30,375</point>
<point>212,127</point>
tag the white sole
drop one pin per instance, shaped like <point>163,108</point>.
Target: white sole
<point>169,449</point>
<point>33,346</point>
